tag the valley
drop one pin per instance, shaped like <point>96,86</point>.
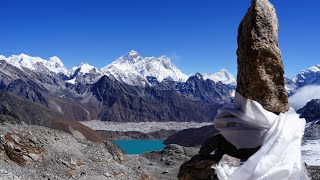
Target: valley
<point>85,108</point>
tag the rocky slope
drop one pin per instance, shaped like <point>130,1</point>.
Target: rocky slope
<point>34,152</point>
<point>15,109</point>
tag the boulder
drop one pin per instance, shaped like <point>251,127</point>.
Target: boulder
<point>212,151</point>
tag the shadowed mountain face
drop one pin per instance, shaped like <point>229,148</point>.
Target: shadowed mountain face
<point>311,111</point>
<point>123,102</point>
<point>15,109</point>
<point>192,137</point>
<point>111,100</point>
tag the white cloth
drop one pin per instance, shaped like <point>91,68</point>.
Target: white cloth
<point>246,124</point>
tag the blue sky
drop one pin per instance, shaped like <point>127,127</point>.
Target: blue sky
<point>199,36</point>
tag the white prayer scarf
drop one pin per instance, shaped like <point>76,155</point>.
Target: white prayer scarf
<point>246,124</point>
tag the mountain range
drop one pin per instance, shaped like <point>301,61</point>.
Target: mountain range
<point>131,69</point>
<point>130,89</point>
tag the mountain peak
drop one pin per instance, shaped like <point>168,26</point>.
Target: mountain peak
<point>2,57</point>
<point>133,68</point>
<point>54,64</point>
<point>83,64</point>
<point>196,75</point>
<point>223,76</point>
<point>131,57</point>
<point>315,68</point>
<point>58,63</point>
<point>23,55</point>
<point>83,68</point>
<point>309,76</point>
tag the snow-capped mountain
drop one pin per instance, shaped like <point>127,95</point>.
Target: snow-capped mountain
<point>53,64</point>
<point>221,76</point>
<point>85,73</point>
<point>310,76</point>
<point>83,68</point>
<point>131,68</point>
<point>134,69</point>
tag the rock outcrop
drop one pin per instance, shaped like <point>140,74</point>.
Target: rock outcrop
<point>211,152</point>
<point>311,111</point>
<point>192,137</point>
<point>260,68</point>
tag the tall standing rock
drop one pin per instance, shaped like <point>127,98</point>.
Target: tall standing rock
<point>260,68</point>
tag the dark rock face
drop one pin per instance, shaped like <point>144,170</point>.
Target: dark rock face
<point>260,68</point>
<point>122,102</point>
<point>152,80</point>
<point>28,90</point>
<point>192,137</point>
<point>311,111</point>
<point>312,132</point>
<point>198,89</point>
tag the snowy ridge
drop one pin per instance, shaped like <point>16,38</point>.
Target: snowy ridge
<point>131,68</point>
<point>83,68</point>
<point>134,69</point>
<point>309,75</point>
<point>221,76</point>
<point>21,61</point>
<point>85,73</point>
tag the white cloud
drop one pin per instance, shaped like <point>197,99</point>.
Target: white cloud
<point>175,56</point>
<point>303,96</point>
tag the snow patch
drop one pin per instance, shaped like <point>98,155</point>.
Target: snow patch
<point>311,152</point>
<point>72,81</point>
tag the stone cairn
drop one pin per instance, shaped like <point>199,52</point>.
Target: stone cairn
<point>260,78</point>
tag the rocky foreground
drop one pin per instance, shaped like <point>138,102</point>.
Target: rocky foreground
<point>35,152</point>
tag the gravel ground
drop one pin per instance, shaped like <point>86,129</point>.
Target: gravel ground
<point>35,152</point>
<point>145,127</point>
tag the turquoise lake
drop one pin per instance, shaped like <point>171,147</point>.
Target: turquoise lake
<point>139,146</point>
